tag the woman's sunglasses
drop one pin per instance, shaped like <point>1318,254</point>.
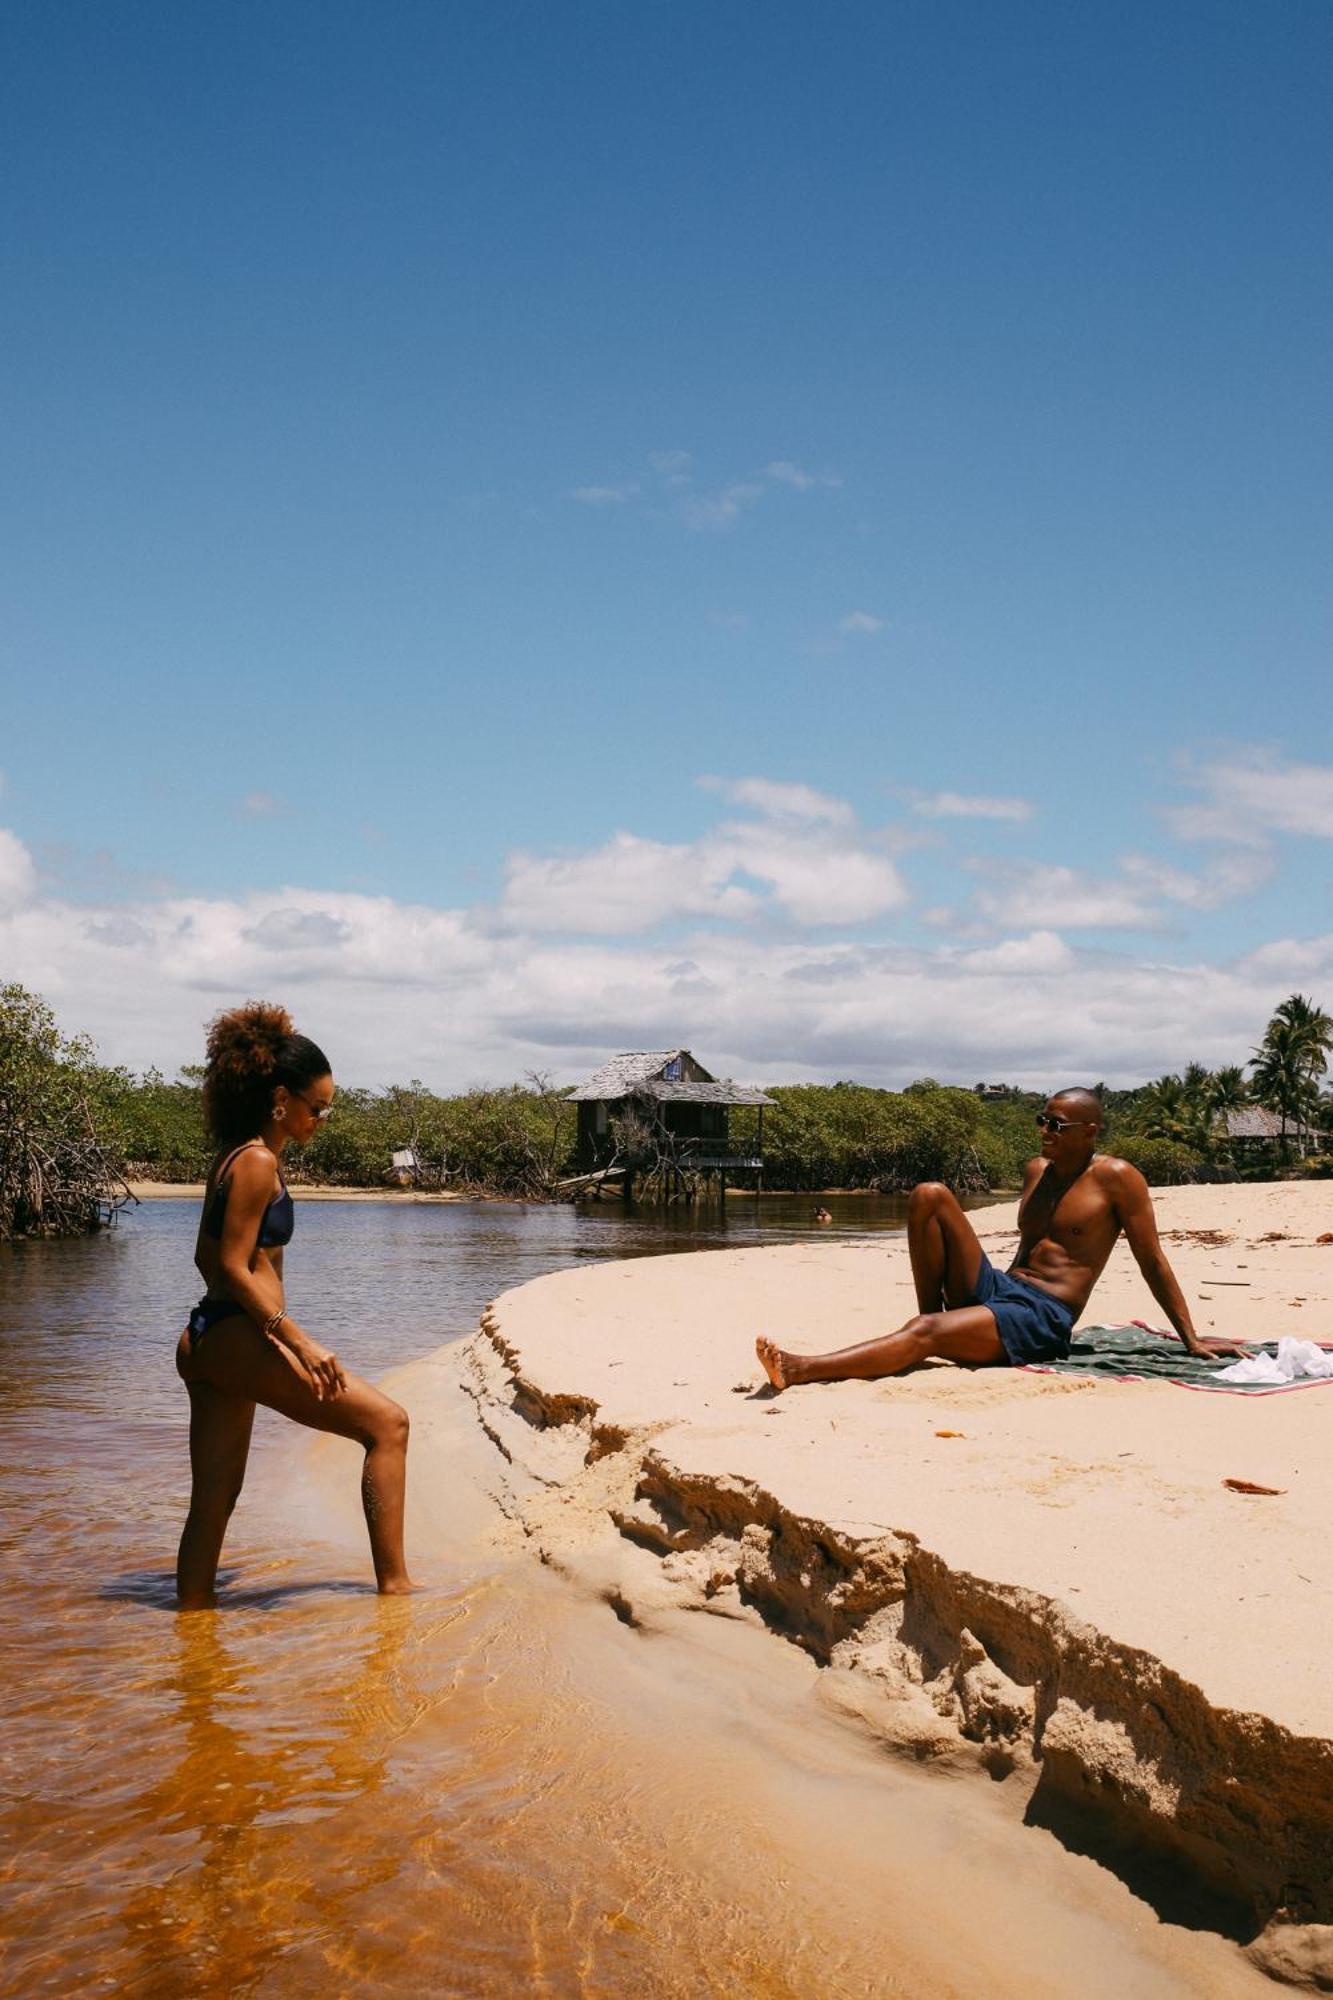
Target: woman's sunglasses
<point>319,1112</point>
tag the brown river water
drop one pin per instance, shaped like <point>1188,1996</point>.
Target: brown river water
<point>491,1788</point>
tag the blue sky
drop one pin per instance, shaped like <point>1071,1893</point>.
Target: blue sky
<point>436,438</point>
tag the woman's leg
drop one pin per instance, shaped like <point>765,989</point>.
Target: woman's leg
<point>220,1425</point>
<point>235,1358</point>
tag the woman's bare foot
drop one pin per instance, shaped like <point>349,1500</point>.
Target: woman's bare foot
<point>779,1367</point>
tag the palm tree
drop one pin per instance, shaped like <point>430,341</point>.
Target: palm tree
<point>1228,1089</point>
<point>1191,1109</point>
<point>1224,1091</point>
<point>1313,1028</point>
<point>1175,1108</point>
<point>1291,1060</point>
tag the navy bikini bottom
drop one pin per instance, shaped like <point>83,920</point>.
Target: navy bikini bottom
<point>207,1313</point>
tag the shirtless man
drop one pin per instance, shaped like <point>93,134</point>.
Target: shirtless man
<point>1075,1203</point>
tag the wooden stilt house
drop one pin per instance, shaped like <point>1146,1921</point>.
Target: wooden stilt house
<point>683,1111</point>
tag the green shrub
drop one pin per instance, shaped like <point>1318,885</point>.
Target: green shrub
<point>60,1166</point>
<point>1164,1162</point>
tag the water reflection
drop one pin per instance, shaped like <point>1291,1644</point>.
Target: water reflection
<point>314,1786</point>
<point>230,1780</point>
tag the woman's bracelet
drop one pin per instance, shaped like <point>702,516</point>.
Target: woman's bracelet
<point>274,1321</point>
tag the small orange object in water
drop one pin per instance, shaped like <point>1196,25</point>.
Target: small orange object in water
<point>1248,1486</point>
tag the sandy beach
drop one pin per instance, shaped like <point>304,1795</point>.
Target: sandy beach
<point>1044,1580</point>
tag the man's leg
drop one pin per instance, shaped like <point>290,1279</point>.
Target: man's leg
<point>967,1334</point>
<point>943,1247</point>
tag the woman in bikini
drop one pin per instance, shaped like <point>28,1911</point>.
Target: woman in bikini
<point>264,1089</point>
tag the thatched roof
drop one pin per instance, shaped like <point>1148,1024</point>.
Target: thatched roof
<point>1255,1121</point>
<point>707,1093</point>
<point>638,1073</point>
<point>622,1075</point>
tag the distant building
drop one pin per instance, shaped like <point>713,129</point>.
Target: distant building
<point>989,1090</point>
<point>1252,1130</point>
<point>687,1110</point>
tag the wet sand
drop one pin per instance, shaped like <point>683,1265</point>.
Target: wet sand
<point>1042,1580</point>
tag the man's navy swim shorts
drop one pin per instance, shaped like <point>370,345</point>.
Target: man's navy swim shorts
<point>1032,1325</point>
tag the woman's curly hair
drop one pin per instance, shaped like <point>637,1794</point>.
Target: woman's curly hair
<point>250,1050</point>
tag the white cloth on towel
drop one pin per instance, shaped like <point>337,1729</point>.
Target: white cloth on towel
<point>1295,1360</point>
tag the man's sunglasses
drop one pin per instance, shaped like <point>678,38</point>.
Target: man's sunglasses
<point>1051,1124</point>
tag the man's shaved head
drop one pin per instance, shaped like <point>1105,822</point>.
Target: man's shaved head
<point>1083,1104</point>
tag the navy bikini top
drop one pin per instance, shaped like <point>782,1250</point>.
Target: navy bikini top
<point>279,1220</point>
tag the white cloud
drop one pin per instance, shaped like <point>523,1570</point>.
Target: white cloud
<point>714,512</point>
<point>783,473</point>
<point>777,961</point>
<point>863,622</point>
<point>1020,895</point>
<point>1247,796</point>
<point>18,876</point>
<point>290,930</point>
<point>675,467</point>
<point>802,858</point>
<point>723,508</point>
<point>604,496</point>
<point>624,886</point>
<point>1033,1010</point>
<point>781,801</point>
<point>1221,882</point>
<point>116,929</point>
<point>818,876</point>
<point>1036,895</point>
<point>1040,951</point>
<point>965,805</point>
<point>394,990</point>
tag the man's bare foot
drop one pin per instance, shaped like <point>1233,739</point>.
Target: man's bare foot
<point>778,1366</point>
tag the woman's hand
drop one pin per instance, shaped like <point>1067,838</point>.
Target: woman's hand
<point>313,1363</point>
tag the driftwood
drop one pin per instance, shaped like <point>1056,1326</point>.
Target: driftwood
<point>56,1178</point>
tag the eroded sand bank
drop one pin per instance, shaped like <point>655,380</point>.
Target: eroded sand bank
<point>1045,1579</point>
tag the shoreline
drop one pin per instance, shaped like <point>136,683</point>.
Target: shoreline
<point>194,1191</point>
<point>1033,1577</point>
<point>148,1190</point>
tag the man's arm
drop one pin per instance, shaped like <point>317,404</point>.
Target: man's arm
<point>1032,1173</point>
<point>1134,1212</point>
